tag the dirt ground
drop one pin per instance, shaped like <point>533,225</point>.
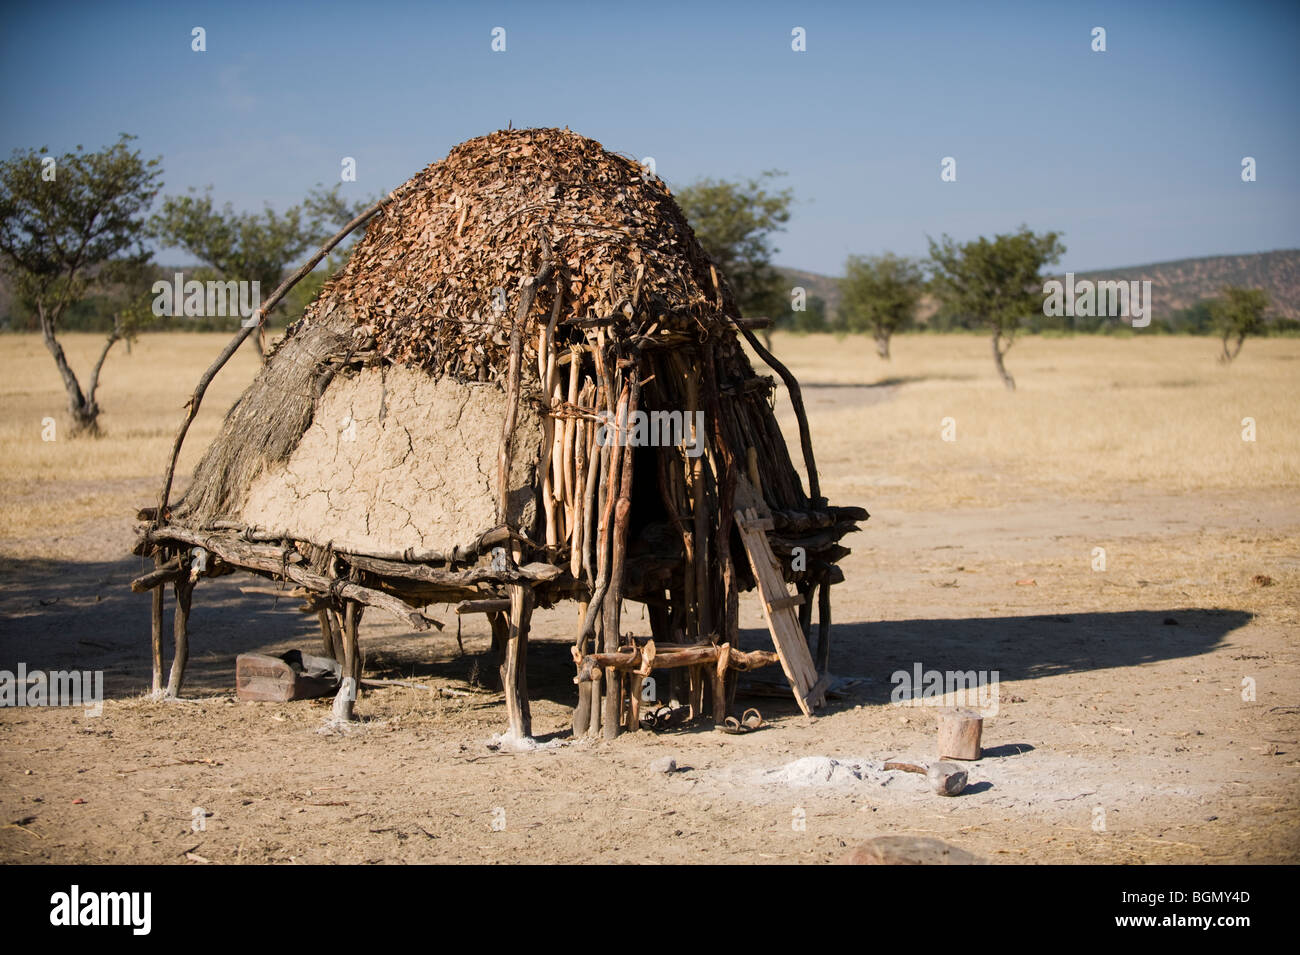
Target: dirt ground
<point>1147,712</point>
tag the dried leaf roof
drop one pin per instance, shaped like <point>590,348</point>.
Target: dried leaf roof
<point>436,280</point>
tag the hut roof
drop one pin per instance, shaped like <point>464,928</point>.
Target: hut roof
<point>435,281</point>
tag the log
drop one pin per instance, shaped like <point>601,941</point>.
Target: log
<point>234,551</point>
<point>959,733</point>
<point>495,605</point>
<point>165,574</point>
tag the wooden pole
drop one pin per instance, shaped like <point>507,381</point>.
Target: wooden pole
<point>622,514</point>
<point>350,686</point>
<point>326,632</point>
<point>514,666</point>
<point>796,399</point>
<point>156,626</point>
<point>824,624</point>
<point>526,299</point>
<point>184,590</point>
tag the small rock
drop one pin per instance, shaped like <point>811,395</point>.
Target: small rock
<point>664,765</point>
<point>908,850</point>
<point>946,779</point>
<point>1170,622</point>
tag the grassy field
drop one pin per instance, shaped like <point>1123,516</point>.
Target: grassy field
<point>1092,417</point>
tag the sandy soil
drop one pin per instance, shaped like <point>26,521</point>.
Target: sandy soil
<point>1121,706</point>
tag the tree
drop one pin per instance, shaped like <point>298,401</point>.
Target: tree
<point>879,295</point>
<point>251,247</point>
<point>734,222</point>
<point>71,223</point>
<point>996,282</point>
<point>1238,313</point>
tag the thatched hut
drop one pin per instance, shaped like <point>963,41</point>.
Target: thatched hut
<point>527,385</point>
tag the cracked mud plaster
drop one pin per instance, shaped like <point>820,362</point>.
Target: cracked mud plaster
<point>395,460</point>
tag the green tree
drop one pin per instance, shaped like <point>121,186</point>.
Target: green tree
<point>1238,312</point>
<point>995,282</point>
<point>880,295</point>
<point>69,224</point>
<point>734,222</point>
<point>247,246</point>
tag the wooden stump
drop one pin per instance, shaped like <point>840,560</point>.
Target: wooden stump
<point>180,636</point>
<point>959,733</point>
<point>514,663</point>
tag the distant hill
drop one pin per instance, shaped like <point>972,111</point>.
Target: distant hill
<point>1174,285</point>
<point>825,287</point>
<point>1184,282</point>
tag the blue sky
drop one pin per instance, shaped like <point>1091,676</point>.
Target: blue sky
<point>1133,153</point>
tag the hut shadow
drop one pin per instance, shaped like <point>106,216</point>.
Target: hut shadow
<point>870,657</point>
<point>60,615</point>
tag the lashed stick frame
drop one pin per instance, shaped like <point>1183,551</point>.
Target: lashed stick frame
<point>605,538</point>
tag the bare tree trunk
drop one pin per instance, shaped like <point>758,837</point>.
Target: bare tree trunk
<point>998,352</point>
<point>93,384</point>
<point>1229,354</point>
<point>84,413</point>
<point>882,343</point>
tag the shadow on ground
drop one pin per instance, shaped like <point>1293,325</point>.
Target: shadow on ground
<point>83,616</point>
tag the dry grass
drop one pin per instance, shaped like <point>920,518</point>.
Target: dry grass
<point>51,486</point>
<point>1092,417</point>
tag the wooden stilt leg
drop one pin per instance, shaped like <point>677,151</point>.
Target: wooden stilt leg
<point>514,676</point>
<point>597,684</point>
<point>336,634</point>
<point>582,712</point>
<point>719,697</point>
<point>326,634</point>
<point>696,676</point>
<point>347,695</point>
<point>156,624</point>
<point>500,637</point>
<point>807,591</point>
<point>823,626</point>
<point>184,590</point>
